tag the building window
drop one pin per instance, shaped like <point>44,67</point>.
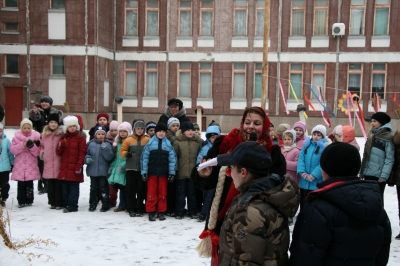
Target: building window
<point>381,17</point>
<point>151,79</point>
<point>207,14</point>
<point>152,18</point>
<point>205,80</point>
<point>240,17</point>
<point>357,17</point>
<point>378,80</point>
<point>184,80</point>
<point>11,3</point>
<point>260,18</point>
<point>354,80</point>
<point>320,17</point>
<point>131,78</point>
<point>296,79</point>
<point>298,12</point>
<point>318,79</point>
<point>10,26</point>
<point>258,80</point>
<point>11,64</point>
<point>131,18</point>
<point>106,64</point>
<point>57,65</point>
<point>57,4</point>
<point>185,18</point>
<point>239,80</point>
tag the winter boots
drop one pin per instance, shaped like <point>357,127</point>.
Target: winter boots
<point>152,216</point>
<point>161,216</point>
<point>397,237</point>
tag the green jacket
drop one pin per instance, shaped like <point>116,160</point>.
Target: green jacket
<point>255,230</point>
<point>186,151</point>
<point>118,169</point>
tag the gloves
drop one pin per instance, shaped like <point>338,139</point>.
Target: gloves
<point>37,143</point>
<point>29,143</point>
<point>171,178</point>
<point>88,160</point>
<point>128,155</point>
<point>304,175</point>
<point>120,169</point>
<point>145,177</point>
<point>311,178</point>
<point>103,146</point>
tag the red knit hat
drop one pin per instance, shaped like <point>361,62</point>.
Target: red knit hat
<point>348,134</point>
<point>103,115</point>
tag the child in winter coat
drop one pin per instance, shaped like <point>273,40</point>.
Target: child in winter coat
<point>158,163</point>
<point>25,147</point>
<point>173,127</point>
<point>72,149</point>
<point>117,178</point>
<point>308,167</point>
<point>212,133</point>
<point>131,150</point>
<point>291,153</point>
<point>6,164</point>
<point>98,157</point>
<point>150,127</point>
<point>349,136</point>
<point>300,129</point>
<point>187,146</point>
<point>378,156</point>
<point>51,136</point>
<point>279,132</point>
<point>111,135</point>
<point>102,120</point>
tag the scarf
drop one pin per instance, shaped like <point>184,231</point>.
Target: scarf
<point>289,148</point>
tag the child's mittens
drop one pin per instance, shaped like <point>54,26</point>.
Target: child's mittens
<point>128,155</point>
<point>145,177</point>
<point>29,143</point>
<point>171,178</point>
<point>103,146</point>
<point>88,159</point>
<point>37,143</point>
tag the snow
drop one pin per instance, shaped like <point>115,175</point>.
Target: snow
<point>111,238</point>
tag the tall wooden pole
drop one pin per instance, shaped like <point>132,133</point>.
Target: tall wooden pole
<point>265,56</point>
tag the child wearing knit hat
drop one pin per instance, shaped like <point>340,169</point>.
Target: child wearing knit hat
<point>173,127</point>
<point>26,148</point>
<point>150,128</point>
<point>301,130</point>
<point>113,131</point>
<point>6,165</point>
<point>378,158</point>
<point>308,168</point>
<point>102,120</point>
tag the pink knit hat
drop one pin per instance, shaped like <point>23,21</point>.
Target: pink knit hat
<point>301,125</point>
<point>114,125</point>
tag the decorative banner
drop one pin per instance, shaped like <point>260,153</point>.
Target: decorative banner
<point>283,97</point>
<point>349,108</point>
<point>323,106</point>
<point>324,113</point>
<point>395,97</point>
<point>308,102</point>
<point>294,93</point>
<point>360,122</point>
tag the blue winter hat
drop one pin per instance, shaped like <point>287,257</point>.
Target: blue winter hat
<point>212,131</point>
<point>100,128</point>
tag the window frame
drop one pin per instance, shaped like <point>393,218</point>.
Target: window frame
<point>6,64</point>
<point>133,70</point>
<point>211,77</point>
<point>372,78</point>
<point>318,72</point>
<point>292,8</point>
<point>126,8</point>
<point>52,65</point>
<point>184,70</point>
<point>381,6</point>
<point>239,71</point>
<point>302,79</point>
<point>258,71</point>
<point>147,70</point>
<point>180,9</point>
<point>51,5</point>
<point>316,8</point>
<point>5,4</point>
<point>363,23</point>
<point>148,9</point>
<point>7,30</point>
<point>237,8</point>
<point>355,71</point>
<point>256,22</point>
<point>201,18</point>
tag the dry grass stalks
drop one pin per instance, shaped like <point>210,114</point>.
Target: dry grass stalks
<point>18,245</point>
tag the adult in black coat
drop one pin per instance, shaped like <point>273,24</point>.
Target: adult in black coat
<point>176,109</point>
<point>343,222</point>
<point>1,113</point>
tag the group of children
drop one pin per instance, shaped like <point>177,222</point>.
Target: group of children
<point>149,164</point>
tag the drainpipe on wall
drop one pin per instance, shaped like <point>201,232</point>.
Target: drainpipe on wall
<point>28,58</point>
<point>167,55</point>
<point>86,59</point>
<point>278,54</point>
<point>337,63</point>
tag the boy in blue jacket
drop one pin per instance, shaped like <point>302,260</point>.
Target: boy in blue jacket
<point>6,163</point>
<point>99,155</point>
<point>158,164</point>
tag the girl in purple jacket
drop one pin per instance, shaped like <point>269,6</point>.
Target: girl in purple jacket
<point>51,135</point>
<point>25,147</point>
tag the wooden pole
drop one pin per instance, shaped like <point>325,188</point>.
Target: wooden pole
<point>264,90</point>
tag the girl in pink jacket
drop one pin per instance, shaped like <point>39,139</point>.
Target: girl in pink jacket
<point>291,152</point>
<point>51,135</point>
<point>25,147</point>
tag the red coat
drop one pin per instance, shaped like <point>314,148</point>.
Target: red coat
<point>72,149</point>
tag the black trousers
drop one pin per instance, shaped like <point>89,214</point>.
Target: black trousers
<point>4,185</point>
<point>99,184</point>
<point>42,183</point>
<point>171,196</point>
<point>25,192</point>
<point>303,196</point>
<point>382,185</point>
<point>54,192</point>
<point>135,190</point>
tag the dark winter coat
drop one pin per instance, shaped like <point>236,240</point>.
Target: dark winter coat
<point>186,150</point>
<point>181,115</point>
<point>102,154</point>
<point>39,120</point>
<point>395,175</point>
<point>72,149</point>
<point>343,223</point>
<point>255,229</point>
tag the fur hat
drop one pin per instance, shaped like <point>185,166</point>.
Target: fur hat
<point>282,128</point>
<point>138,123</point>
<point>114,125</point>
<point>319,128</point>
<point>149,125</point>
<point>125,126</point>
<point>173,120</point>
<point>340,159</point>
<point>47,99</point>
<point>25,121</point>
<point>100,128</point>
<point>70,120</point>
<point>161,126</point>
<point>53,117</point>
<point>176,101</point>
<point>381,117</point>
<point>1,126</point>
<point>103,115</point>
<point>301,125</point>
<point>186,126</point>
<point>349,133</point>
<point>291,132</point>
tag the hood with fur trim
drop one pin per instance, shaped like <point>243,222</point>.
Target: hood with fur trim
<point>180,136</point>
<point>47,131</point>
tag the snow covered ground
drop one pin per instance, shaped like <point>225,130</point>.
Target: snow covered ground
<point>111,238</point>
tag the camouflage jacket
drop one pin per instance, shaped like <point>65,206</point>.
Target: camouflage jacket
<point>255,229</point>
